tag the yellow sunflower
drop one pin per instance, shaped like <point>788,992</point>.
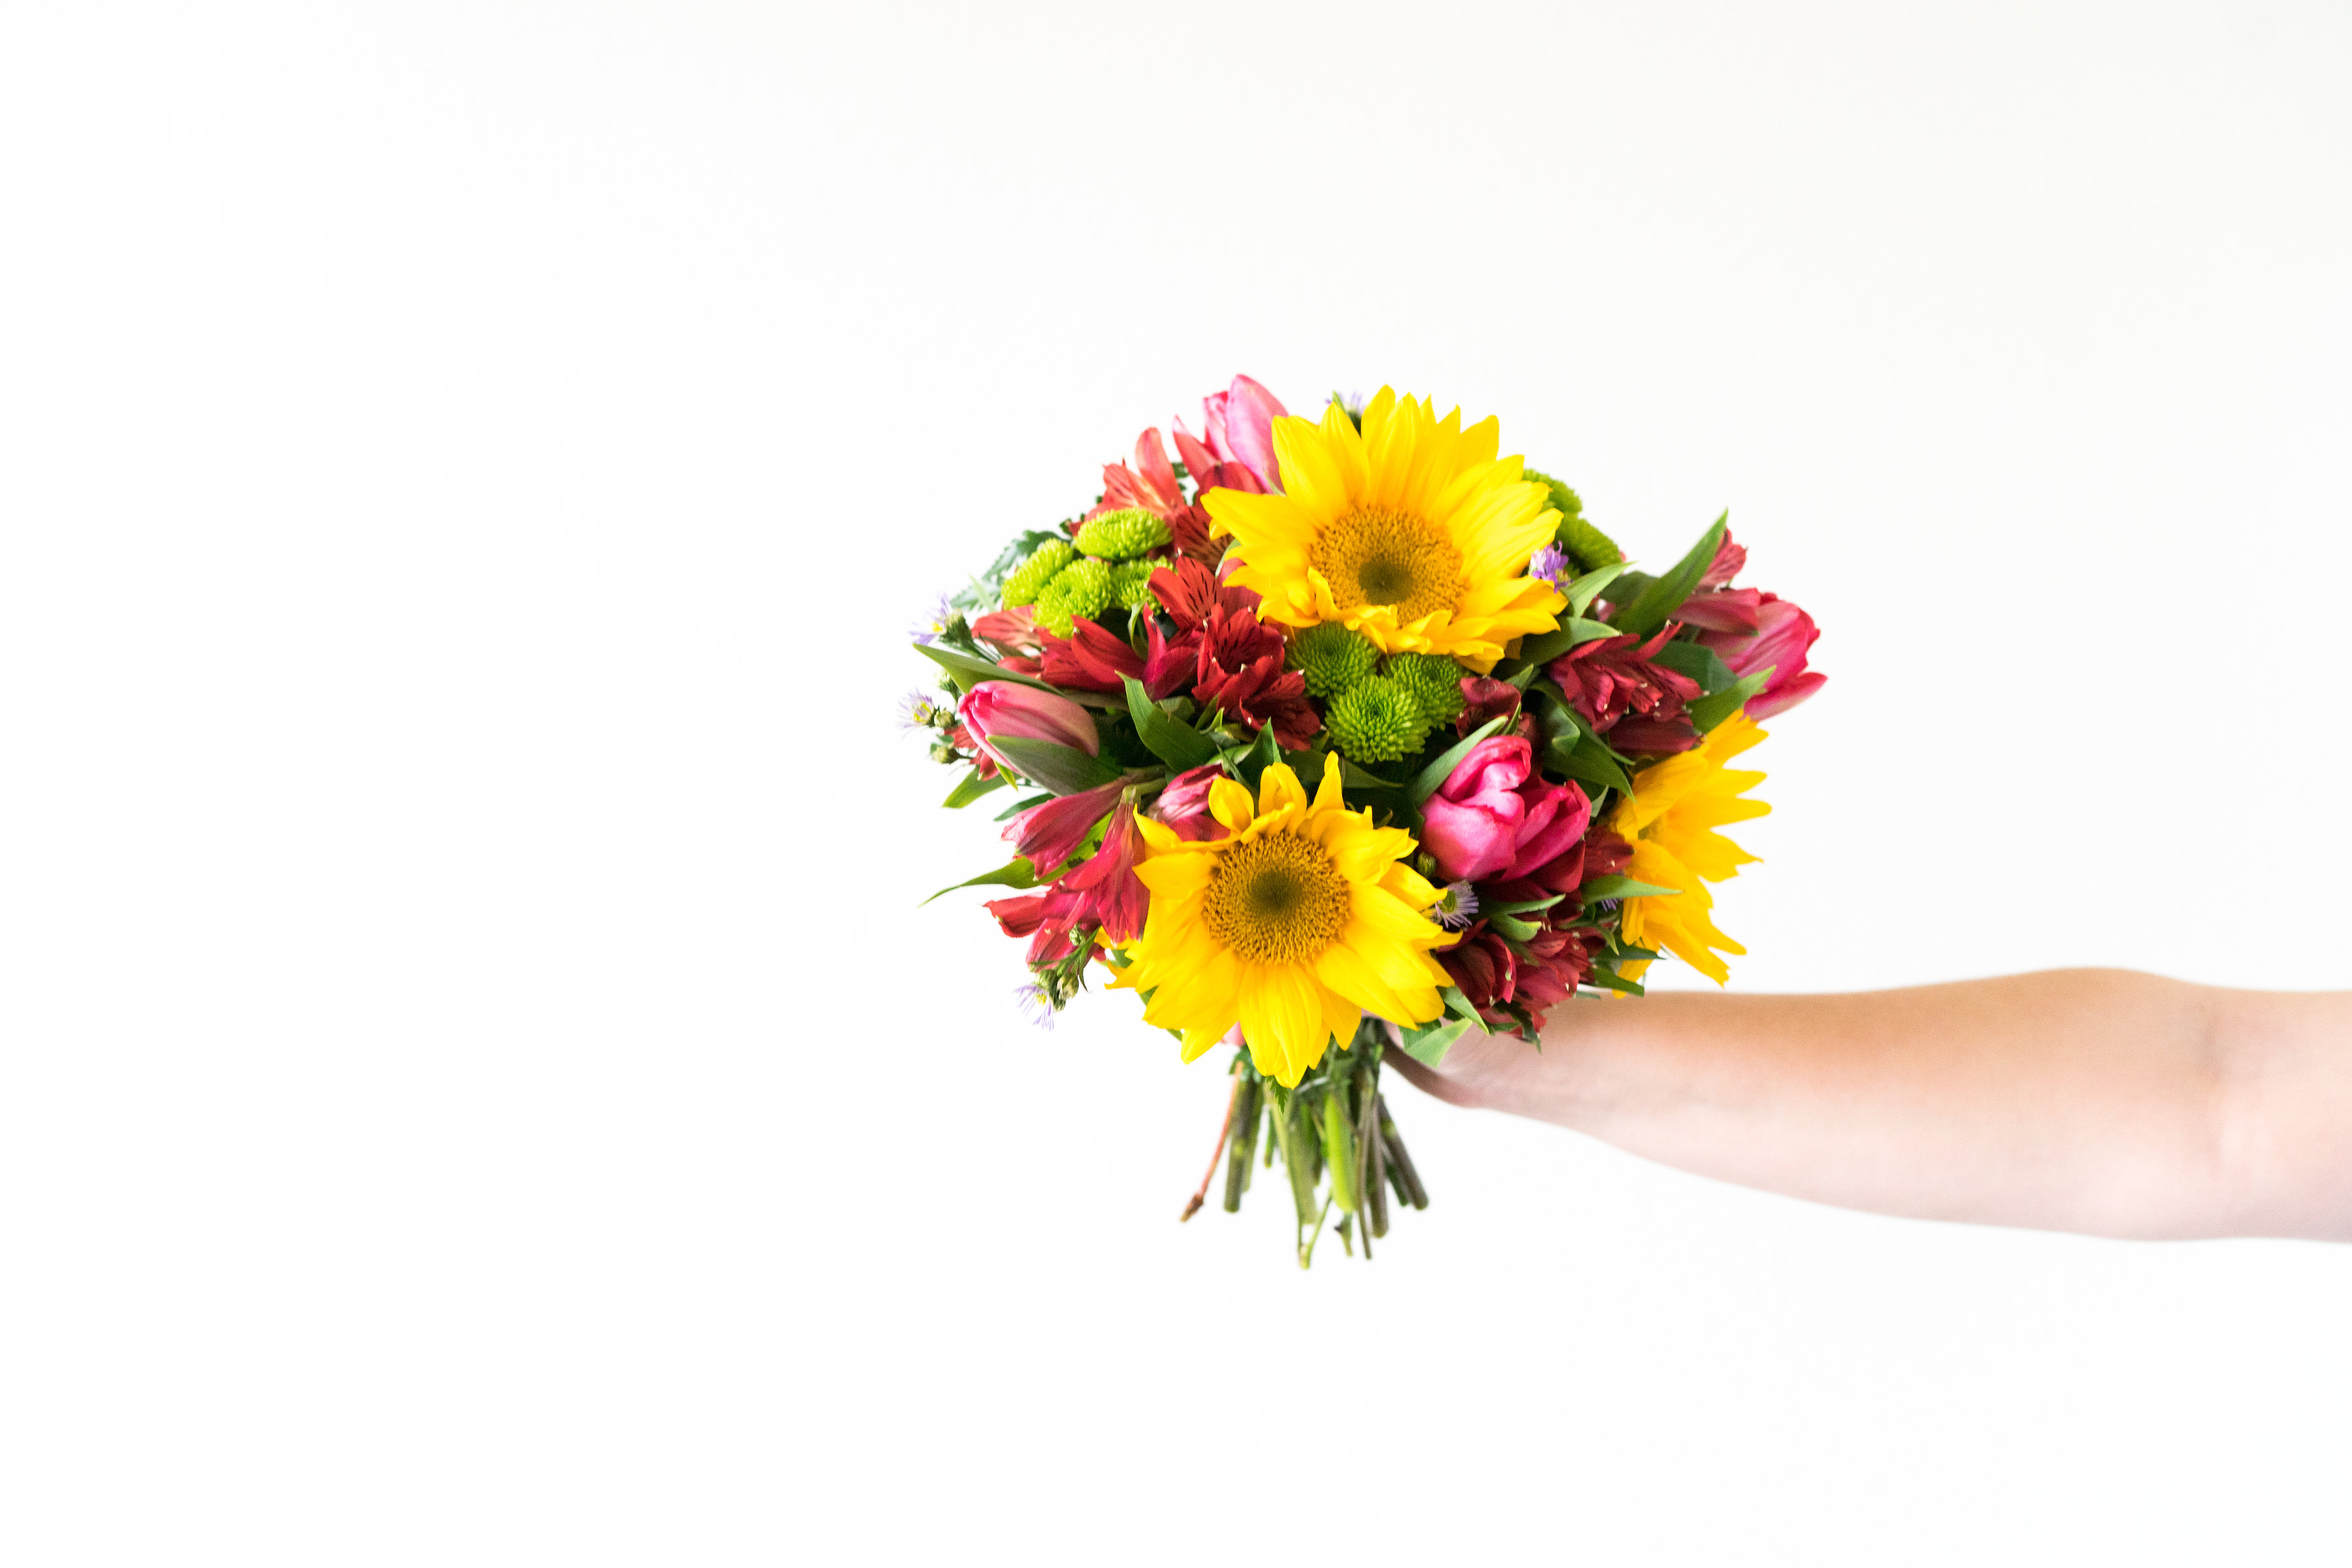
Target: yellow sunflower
<point>1672,818</point>
<point>1298,922</point>
<point>1412,532</point>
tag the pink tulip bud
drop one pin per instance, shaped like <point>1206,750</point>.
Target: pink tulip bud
<point>999,708</point>
<point>1494,816</point>
<point>1240,423</point>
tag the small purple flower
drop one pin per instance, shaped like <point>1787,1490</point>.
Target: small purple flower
<point>1036,1006</point>
<point>1550,564</point>
<point>927,630</point>
<point>1456,906</point>
<point>922,711</point>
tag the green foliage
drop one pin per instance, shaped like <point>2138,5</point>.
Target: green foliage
<point>1121,535</point>
<point>1026,581</point>
<point>970,787</point>
<point>1662,597</point>
<point>1713,710</point>
<point>1699,662</point>
<point>1171,740</point>
<point>1332,657</point>
<point>1434,680</point>
<point>1375,721</point>
<point>1064,770</point>
<point>1015,873</point>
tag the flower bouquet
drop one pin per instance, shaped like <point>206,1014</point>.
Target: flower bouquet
<point>1351,733</point>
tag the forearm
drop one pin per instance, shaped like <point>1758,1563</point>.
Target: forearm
<point>2094,1100</point>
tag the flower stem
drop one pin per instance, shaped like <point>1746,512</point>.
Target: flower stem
<point>1245,1141</point>
<point>1201,1196</point>
<point>1401,1171</point>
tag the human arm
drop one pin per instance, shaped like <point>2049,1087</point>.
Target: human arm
<point>2096,1101</point>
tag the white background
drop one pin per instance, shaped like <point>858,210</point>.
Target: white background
<point>477,1084</point>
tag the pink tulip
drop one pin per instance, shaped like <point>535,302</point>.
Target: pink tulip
<point>1494,818</point>
<point>1240,429</point>
<point>996,709</point>
<point>1783,634</point>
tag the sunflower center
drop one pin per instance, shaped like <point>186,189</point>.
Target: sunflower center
<point>1394,558</point>
<point>1276,899</point>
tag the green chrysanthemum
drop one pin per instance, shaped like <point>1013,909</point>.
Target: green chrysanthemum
<point>1376,721</point>
<point>1026,581</point>
<point>1433,680</point>
<point>1119,535</point>
<point>1588,548</point>
<point>1081,588</point>
<point>1130,585</point>
<point>1332,657</point>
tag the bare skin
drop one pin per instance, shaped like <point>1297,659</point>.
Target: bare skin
<point>2097,1100</point>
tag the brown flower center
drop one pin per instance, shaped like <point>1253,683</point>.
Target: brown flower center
<point>1279,898</point>
<point>1393,558</point>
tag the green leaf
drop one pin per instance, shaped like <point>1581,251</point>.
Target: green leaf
<point>1426,782</point>
<point>1248,762</point>
<point>1543,649</point>
<point>1017,873</point>
<point>1700,663</point>
<point>1428,1046</point>
<point>1461,1006</point>
<point>1171,740</point>
<point>1624,888</point>
<point>1520,677</point>
<point>1587,588</point>
<point>1516,930</point>
<point>1354,777</point>
<point>1589,761</point>
<point>1064,770</point>
<point>970,787</point>
<point>1662,598</point>
<point>1608,981</point>
<point>1524,907</point>
<point>969,672</point>
<point>1024,803</point>
<point>1709,712</point>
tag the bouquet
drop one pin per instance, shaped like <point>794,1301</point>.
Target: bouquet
<point>1333,735</point>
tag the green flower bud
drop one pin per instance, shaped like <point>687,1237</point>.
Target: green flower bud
<point>1376,721</point>
<point>1118,535</point>
<point>1332,657</point>
<point>1433,679</point>
<point>1588,548</point>
<point>1023,583</point>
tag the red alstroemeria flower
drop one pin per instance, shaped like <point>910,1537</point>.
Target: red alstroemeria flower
<point>1050,832</point>
<point>1237,659</point>
<point>1090,659</point>
<point>1011,631</point>
<point>1610,678</point>
<point>1111,896</point>
<point>1183,804</point>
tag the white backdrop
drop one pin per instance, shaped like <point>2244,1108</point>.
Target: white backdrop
<point>477,1085</point>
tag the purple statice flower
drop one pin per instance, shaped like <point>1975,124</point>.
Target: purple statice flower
<point>1550,564</point>
<point>1035,1005</point>
<point>1456,906</point>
